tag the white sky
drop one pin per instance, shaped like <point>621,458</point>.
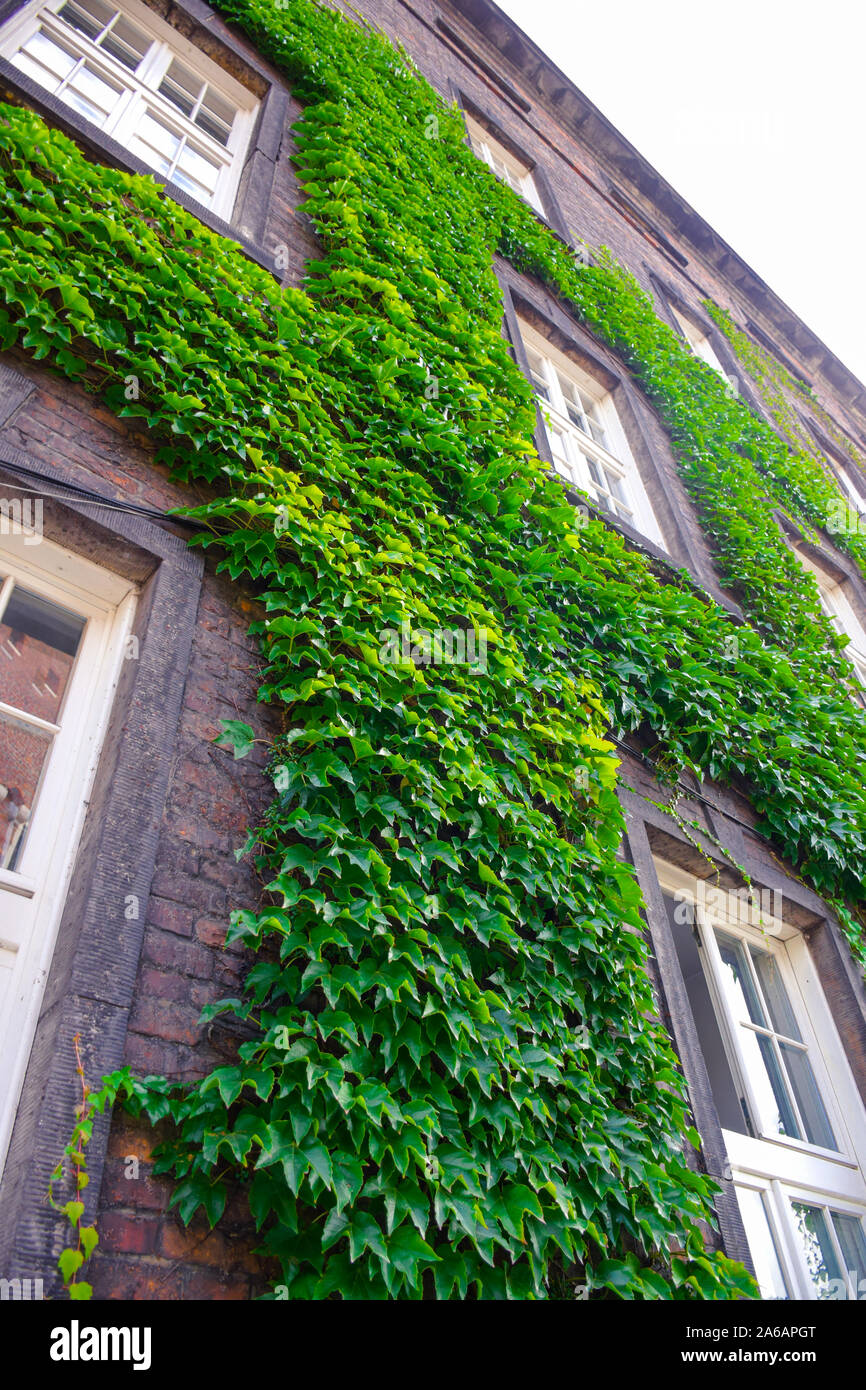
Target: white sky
<point>754,111</point>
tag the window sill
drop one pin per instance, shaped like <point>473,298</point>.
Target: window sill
<point>798,1146</point>
<point>16,87</point>
<point>17,883</point>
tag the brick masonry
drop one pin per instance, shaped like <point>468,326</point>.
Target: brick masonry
<point>210,798</point>
<point>144,1250</point>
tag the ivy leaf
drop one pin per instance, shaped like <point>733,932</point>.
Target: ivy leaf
<point>409,1254</point>
<point>69,1262</point>
<point>236,735</point>
<point>89,1238</point>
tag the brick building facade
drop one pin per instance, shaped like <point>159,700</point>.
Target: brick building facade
<point>148,873</point>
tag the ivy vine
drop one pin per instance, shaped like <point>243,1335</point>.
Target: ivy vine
<point>457,1083</point>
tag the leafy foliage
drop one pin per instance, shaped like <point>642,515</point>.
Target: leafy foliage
<point>93,1103</point>
<point>458,1084</point>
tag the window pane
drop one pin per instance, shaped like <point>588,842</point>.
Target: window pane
<point>538,374</point>
<point>807,1096</point>
<point>596,472</point>
<point>596,430</point>
<point>775,994</point>
<point>196,167</point>
<point>530,192</point>
<point>737,981</point>
<point>158,137</point>
<point>213,127</point>
<point>38,644</point>
<point>23,754</point>
<point>181,87</point>
<point>190,186</point>
<point>780,1112</point>
<point>48,54</point>
<point>541,387</point>
<point>150,156</point>
<point>762,1246</point>
<point>575,414</point>
<point>852,1242</point>
<point>615,485</point>
<point>89,88</point>
<point>216,116</point>
<point>817,1248</point>
<point>126,43</point>
<point>88,16</point>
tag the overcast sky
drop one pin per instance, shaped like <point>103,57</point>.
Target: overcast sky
<point>754,111</point>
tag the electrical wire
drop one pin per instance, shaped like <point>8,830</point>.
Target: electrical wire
<point>687,791</point>
<point>83,494</point>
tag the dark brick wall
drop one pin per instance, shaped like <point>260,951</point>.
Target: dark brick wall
<point>211,800</point>
<point>144,1251</point>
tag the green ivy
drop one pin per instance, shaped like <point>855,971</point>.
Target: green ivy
<point>779,390</point>
<point>457,1084</point>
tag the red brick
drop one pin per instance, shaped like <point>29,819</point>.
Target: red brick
<point>167,1020</point>
<point>161,912</point>
<point>187,957</point>
<point>128,1234</point>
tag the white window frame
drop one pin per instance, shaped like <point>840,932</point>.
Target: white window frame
<point>783,1169</point>
<point>698,342</point>
<point>840,473</point>
<point>139,89</point>
<point>570,459</point>
<point>838,608</point>
<point>32,895</point>
<point>505,165</point>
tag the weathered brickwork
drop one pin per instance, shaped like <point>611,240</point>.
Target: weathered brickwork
<point>144,1252</point>
<point>212,799</point>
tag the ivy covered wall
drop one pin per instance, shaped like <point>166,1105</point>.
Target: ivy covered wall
<point>458,1084</point>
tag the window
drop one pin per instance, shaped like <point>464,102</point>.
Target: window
<point>844,620</point>
<point>504,164</point>
<point>145,85</point>
<point>839,465</point>
<point>792,1120</point>
<point>698,342</point>
<point>586,438</point>
<point>784,1097</point>
<point>833,1247</point>
<point>63,624</point>
<point>842,476</point>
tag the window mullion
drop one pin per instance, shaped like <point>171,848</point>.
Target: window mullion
<point>557,400</point>
<point>174,163</point>
<point>65,81</point>
<point>730,1026</point>
<point>837,1250</point>
<point>789,1090</point>
<point>45,725</point>
<point>198,103</point>
<point>5,592</point>
<point>120,126</point>
<point>154,65</point>
<point>104,30</point>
